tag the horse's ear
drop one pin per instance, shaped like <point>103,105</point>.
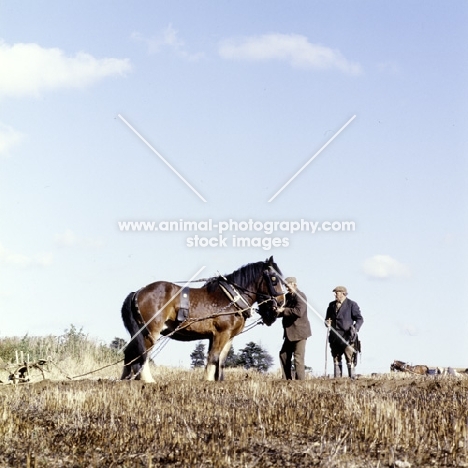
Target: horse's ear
<point>271,261</point>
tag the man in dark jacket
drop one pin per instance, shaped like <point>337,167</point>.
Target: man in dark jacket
<point>296,330</point>
<point>345,319</point>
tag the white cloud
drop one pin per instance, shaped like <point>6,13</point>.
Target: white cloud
<point>167,38</point>
<point>70,239</point>
<point>384,266</point>
<point>9,258</point>
<point>292,48</point>
<point>29,69</point>
<point>9,137</point>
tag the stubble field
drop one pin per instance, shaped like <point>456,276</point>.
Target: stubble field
<point>248,420</point>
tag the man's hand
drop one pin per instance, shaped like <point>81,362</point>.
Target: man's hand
<point>279,310</point>
<point>328,323</point>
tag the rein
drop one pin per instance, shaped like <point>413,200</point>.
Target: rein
<point>161,345</point>
<point>259,283</point>
<point>271,290</point>
<point>271,296</point>
<point>185,324</point>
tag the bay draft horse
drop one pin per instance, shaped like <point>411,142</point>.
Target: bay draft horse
<point>153,311</point>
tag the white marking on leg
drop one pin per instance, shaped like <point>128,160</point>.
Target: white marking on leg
<point>145,374</point>
<point>225,351</point>
<point>210,372</point>
<point>222,358</point>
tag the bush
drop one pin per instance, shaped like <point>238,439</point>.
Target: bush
<point>73,353</point>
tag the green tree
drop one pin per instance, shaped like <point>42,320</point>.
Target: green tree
<point>74,341</point>
<point>198,356</point>
<point>117,343</point>
<point>253,356</point>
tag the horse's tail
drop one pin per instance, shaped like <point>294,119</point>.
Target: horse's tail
<point>135,351</point>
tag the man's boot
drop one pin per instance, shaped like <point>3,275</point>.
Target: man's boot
<point>351,371</point>
<point>338,371</point>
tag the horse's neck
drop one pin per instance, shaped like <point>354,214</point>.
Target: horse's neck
<point>247,289</point>
<point>247,292</point>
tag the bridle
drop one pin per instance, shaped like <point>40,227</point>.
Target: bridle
<point>271,278</point>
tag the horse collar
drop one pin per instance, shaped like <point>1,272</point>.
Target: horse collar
<point>234,295</point>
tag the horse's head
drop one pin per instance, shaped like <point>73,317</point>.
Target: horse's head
<point>270,294</point>
<point>398,366</point>
<point>258,282</point>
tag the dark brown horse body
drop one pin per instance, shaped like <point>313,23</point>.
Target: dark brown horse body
<point>213,315</point>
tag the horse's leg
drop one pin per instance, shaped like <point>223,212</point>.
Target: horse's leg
<point>145,373</point>
<point>217,344</point>
<point>155,316</point>
<point>127,370</point>
<point>210,369</point>
<point>222,358</point>
<point>135,350</point>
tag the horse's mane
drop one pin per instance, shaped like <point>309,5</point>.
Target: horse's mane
<point>243,276</point>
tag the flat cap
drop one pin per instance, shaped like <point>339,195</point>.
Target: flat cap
<point>341,289</point>
<point>290,279</point>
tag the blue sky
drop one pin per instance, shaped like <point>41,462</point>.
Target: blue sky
<point>237,96</point>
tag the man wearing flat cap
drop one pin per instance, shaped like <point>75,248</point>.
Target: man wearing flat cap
<point>296,330</point>
<point>344,319</point>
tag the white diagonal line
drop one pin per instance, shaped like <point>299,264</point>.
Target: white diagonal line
<point>161,158</point>
<point>312,158</point>
<point>162,308</point>
<point>323,319</point>
<point>319,316</point>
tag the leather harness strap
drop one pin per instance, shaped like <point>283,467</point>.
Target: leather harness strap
<point>235,297</point>
<point>137,315</point>
<point>184,307</point>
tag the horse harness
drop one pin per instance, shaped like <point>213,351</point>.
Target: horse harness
<point>236,298</point>
<point>231,292</point>
<point>137,315</point>
<point>184,305</point>
<point>230,289</point>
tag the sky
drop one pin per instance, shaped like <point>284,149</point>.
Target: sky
<point>326,112</point>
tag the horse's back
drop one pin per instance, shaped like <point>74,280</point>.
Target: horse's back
<point>160,287</point>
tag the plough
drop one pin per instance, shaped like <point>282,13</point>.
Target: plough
<point>21,372</point>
